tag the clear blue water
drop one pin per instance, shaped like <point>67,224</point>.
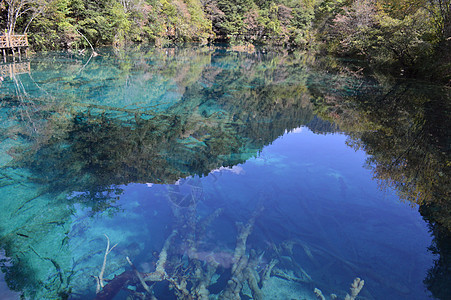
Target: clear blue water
<point>202,141</point>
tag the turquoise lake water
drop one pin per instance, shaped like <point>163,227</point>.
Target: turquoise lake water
<point>241,175</point>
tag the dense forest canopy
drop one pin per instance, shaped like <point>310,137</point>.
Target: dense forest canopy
<point>406,34</point>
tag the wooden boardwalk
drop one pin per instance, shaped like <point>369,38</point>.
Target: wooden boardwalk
<point>14,43</point>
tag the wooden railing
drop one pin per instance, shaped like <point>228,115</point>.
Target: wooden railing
<point>13,41</point>
<point>4,41</point>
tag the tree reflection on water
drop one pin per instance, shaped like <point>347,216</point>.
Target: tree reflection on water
<point>404,129</point>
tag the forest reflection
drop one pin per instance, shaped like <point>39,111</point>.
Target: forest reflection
<point>86,128</point>
<point>403,127</point>
<point>181,113</point>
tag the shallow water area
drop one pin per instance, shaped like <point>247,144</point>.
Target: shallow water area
<point>207,173</point>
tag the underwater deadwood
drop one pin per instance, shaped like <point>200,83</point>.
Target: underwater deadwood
<point>115,286</point>
<point>356,287</point>
<point>160,273</point>
<point>141,279</point>
<point>100,283</point>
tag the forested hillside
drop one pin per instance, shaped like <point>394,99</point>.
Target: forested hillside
<point>406,33</point>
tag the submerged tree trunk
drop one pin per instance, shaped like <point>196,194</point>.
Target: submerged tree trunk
<point>114,286</point>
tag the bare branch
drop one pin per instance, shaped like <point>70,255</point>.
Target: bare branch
<point>100,283</point>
